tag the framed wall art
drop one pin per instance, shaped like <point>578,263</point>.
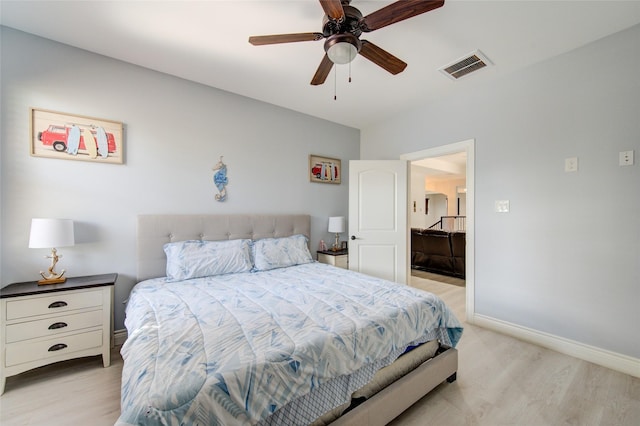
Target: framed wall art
<point>324,170</point>
<point>75,137</point>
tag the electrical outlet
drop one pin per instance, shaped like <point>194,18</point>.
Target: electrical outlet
<point>571,164</point>
<point>502,206</point>
<point>626,158</point>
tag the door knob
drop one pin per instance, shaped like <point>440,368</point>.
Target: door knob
<point>353,237</point>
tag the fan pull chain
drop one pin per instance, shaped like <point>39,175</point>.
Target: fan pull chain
<point>335,83</point>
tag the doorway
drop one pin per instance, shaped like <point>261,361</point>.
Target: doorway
<point>466,147</point>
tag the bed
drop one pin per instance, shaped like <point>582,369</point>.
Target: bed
<point>267,336</point>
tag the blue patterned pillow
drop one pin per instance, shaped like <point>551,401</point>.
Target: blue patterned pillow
<point>272,253</point>
<point>195,258</point>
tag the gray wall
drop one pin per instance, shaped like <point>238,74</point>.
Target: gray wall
<point>175,131</point>
<point>566,259</point>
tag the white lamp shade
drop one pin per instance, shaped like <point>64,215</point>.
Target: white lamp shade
<point>51,233</point>
<point>336,224</point>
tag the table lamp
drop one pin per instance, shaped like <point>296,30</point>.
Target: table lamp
<point>336,225</point>
<point>51,233</point>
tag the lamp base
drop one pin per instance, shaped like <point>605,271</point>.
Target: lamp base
<point>336,244</point>
<point>52,281</point>
<point>52,277</point>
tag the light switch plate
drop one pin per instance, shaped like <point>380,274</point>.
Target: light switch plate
<point>626,158</point>
<point>571,164</point>
<point>502,206</point>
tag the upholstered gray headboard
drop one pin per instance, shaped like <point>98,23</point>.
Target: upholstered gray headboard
<point>156,230</point>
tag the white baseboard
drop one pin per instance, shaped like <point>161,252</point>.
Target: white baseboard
<point>119,337</point>
<point>615,361</point>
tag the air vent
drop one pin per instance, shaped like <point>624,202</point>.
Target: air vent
<point>466,65</point>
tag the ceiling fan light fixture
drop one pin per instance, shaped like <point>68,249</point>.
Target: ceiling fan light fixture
<point>342,53</point>
<point>342,48</point>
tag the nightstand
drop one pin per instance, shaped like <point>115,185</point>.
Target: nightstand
<point>338,258</point>
<point>43,324</point>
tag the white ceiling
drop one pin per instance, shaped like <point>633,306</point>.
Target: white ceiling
<point>445,167</point>
<point>206,41</point>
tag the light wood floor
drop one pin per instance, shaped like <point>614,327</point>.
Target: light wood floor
<point>437,277</point>
<point>501,381</point>
<point>504,381</point>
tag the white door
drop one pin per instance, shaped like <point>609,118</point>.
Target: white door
<point>378,218</point>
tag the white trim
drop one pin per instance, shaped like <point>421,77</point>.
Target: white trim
<point>467,146</point>
<point>119,337</point>
<point>615,361</point>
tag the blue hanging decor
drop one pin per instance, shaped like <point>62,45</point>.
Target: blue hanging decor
<point>220,180</point>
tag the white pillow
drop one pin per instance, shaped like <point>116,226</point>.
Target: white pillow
<point>272,253</point>
<point>195,258</point>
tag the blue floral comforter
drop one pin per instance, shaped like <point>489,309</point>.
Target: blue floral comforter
<point>233,349</point>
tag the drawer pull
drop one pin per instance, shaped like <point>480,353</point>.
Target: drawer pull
<point>59,304</point>
<point>57,325</point>
<point>57,347</point>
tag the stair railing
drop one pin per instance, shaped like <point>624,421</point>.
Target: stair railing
<point>451,223</point>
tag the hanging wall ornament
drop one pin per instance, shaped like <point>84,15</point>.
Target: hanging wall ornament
<point>220,180</point>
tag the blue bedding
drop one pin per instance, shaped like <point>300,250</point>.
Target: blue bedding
<point>233,349</point>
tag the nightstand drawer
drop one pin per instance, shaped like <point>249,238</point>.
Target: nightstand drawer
<point>60,302</point>
<point>52,326</point>
<point>19,353</point>
<point>339,258</point>
<point>342,262</point>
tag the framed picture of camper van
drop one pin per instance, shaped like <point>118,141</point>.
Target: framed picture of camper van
<point>324,169</point>
<point>75,137</point>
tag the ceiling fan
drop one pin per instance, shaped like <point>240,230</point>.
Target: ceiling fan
<point>342,26</point>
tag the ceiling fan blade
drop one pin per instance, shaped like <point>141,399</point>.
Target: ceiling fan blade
<point>323,71</point>
<point>382,58</point>
<point>396,12</point>
<point>333,9</point>
<point>284,38</point>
